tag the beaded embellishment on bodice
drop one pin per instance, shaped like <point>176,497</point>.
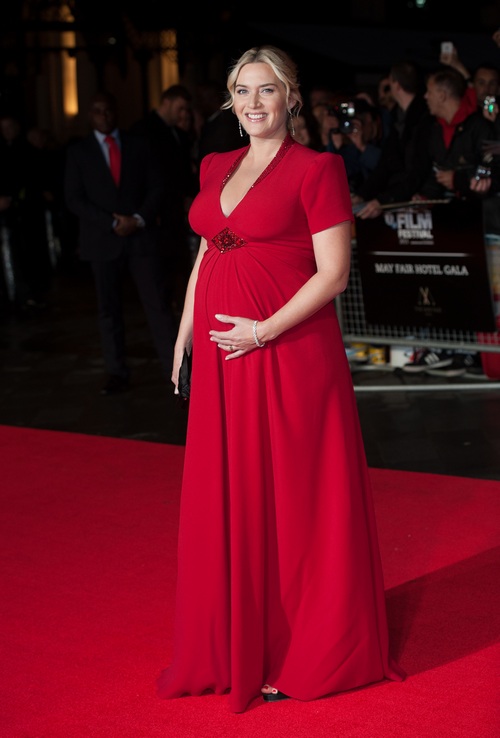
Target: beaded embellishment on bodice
<point>287,144</point>
<point>227,240</point>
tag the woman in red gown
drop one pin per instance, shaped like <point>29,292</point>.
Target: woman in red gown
<point>280,589</point>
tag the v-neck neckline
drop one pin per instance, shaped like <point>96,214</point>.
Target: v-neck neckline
<point>286,144</point>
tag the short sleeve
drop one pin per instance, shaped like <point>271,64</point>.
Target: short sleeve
<point>325,193</point>
<point>204,166</point>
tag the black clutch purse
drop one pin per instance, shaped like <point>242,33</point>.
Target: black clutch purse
<point>184,384</point>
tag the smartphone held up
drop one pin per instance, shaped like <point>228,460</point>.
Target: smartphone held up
<point>447,49</point>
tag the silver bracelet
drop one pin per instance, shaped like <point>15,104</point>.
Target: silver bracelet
<point>255,336</point>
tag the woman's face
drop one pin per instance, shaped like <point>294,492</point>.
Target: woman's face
<point>260,101</point>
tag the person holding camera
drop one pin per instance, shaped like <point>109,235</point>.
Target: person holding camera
<point>485,79</point>
<point>455,152</point>
<point>385,97</point>
<point>484,83</point>
<point>356,135</point>
<point>326,116</point>
<point>486,180</point>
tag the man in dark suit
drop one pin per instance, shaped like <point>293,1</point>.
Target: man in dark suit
<point>172,148</point>
<point>220,131</point>
<point>115,189</point>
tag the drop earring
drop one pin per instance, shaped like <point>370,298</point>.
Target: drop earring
<point>292,128</point>
<point>242,132</point>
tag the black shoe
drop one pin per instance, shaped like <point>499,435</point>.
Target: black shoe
<point>115,385</point>
<point>275,697</point>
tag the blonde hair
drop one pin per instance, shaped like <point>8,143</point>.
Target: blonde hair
<point>282,65</point>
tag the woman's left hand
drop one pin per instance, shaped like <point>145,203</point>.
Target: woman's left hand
<point>236,341</point>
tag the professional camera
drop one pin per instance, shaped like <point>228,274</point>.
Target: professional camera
<point>344,112</point>
<point>483,171</point>
<point>489,103</point>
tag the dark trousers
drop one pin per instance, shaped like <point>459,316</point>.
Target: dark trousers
<point>148,276</point>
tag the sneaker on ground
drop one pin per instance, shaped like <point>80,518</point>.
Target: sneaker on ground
<point>358,353</point>
<point>425,359</point>
<point>474,366</point>
<point>460,365</point>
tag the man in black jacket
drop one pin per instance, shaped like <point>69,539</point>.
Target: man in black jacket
<point>220,131</point>
<point>172,150</point>
<point>457,136</point>
<point>114,188</point>
<point>404,160</point>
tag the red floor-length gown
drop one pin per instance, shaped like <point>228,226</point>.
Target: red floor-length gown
<point>279,573</point>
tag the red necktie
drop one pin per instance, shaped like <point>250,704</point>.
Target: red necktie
<point>115,158</point>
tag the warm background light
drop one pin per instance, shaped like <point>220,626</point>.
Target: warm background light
<point>69,75</point>
<point>169,66</point>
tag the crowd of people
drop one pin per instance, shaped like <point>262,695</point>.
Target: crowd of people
<point>416,136</point>
<point>422,137</point>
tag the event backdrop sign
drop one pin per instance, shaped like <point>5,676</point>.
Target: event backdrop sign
<point>426,266</point>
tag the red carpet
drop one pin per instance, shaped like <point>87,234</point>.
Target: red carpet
<point>88,538</point>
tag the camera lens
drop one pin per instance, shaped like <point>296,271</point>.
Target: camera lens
<point>348,109</point>
<point>482,172</point>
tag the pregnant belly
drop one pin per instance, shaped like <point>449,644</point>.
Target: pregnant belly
<point>247,283</point>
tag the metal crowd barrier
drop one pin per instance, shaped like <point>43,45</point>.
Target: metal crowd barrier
<point>10,278</point>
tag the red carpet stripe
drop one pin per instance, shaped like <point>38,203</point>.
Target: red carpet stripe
<point>88,539</point>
